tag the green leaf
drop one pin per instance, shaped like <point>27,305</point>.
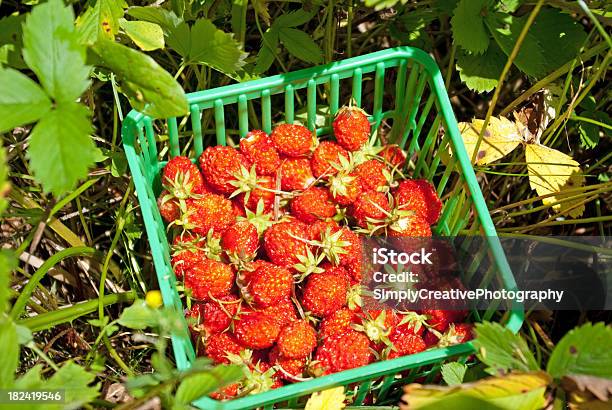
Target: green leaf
<point>24,335</point>
<point>204,43</point>
<point>150,89</point>
<point>76,382</point>
<point>468,26</point>
<point>266,54</point>
<point>453,373</point>
<point>22,101</point>
<point>481,72</point>
<point>165,18</point>
<point>139,316</point>
<point>178,7</point>
<point>52,51</point>
<point>301,45</point>
<point>293,19</point>
<point>200,384</point>
<point>60,149</point>
<point>11,41</point>
<point>584,350</point>
<point>8,263</point>
<point>509,392</point>
<point>383,4</point>
<point>100,21</point>
<point>502,350</point>
<point>552,40</point>
<point>147,36</point>
<point>10,353</point>
<point>239,24</point>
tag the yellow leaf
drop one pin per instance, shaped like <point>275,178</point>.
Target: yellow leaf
<point>331,399</point>
<point>552,172</point>
<point>500,138</point>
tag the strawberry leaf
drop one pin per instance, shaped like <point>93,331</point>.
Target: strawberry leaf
<point>147,36</point>
<point>52,51</point>
<point>60,147</point>
<point>21,101</point>
<point>481,72</point>
<point>301,45</point>
<point>469,31</point>
<point>100,21</point>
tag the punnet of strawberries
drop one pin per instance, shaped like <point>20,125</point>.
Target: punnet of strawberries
<point>267,241</point>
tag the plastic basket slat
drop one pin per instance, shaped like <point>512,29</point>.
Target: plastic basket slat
<point>416,90</point>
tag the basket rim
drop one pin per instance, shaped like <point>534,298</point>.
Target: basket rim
<point>195,99</point>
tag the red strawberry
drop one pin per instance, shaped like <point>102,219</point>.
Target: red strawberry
<point>406,344</point>
<point>182,178</point>
<point>418,196</point>
<point>240,241</point>
<point>187,251</point>
<point>258,148</point>
<point>319,227</point>
<point>194,317</point>
<point>326,158</point>
<point>283,312</point>
<point>289,369</point>
<point>220,165</point>
<point>261,377</point>
<point>238,209</point>
<point>256,330</point>
<point>284,241</point>
<point>292,140</point>
<point>217,314</point>
<point>394,155</point>
<point>370,206</point>
<point>296,174</point>
<point>325,292</point>
<point>269,285</point>
<point>209,211</point>
<point>430,339</point>
<point>344,188</point>
<point>262,190</point>
<point>351,128</point>
<point>410,226</point>
<point>343,351</point>
<point>461,332</point>
<point>209,278</point>
<point>297,340</point>
<point>372,175</point>
<point>355,270</point>
<point>338,322</point>
<point>169,207</point>
<point>219,345</point>
<point>441,319</point>
<point>313,204</point>
<point>226,393</point>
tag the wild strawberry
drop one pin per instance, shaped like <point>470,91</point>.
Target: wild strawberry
<point>288,369</point>
<point>406,344</point>
<point>297,340</point>
<point>187,250</point>
<point>338,322</point>
<point>431,338</point>
<point>325,159</point>
<point>182,178</point>
<point>258,148</point>
<point>313,204</point>
<point>226,393</point>
<point>459,333</point>
<point>418,196</point>
<point>292,140</point>
<point>372,175</point>
<point>209,211</point>
<point>217,315</point>
<point>209,278</point>
<point>261,377</point>
<point>320,226</point>
<point>238,208</point>
<point>355,270</point>
<point>409,323</point>
<point>283,312</point>
<point>195,316</point>
<point>240,241</point>
<point>370,207</point>
<point>410,226</point>
<point>325,292</point>
<point>284,241</point>
<point>351,128</point>
<point>220,165</point>
<point>343,351</point>
<point>296,174</point>
<point>256,330</point>
<point>262,190</point>
<point>393,155</point>
<point>269,285</point>
<point>441,319</point>
<point>169,207</point>
<point>345,188</point>
<point>220,345</point>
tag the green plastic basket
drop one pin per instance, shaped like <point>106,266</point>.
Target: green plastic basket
<point>417,104</point>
